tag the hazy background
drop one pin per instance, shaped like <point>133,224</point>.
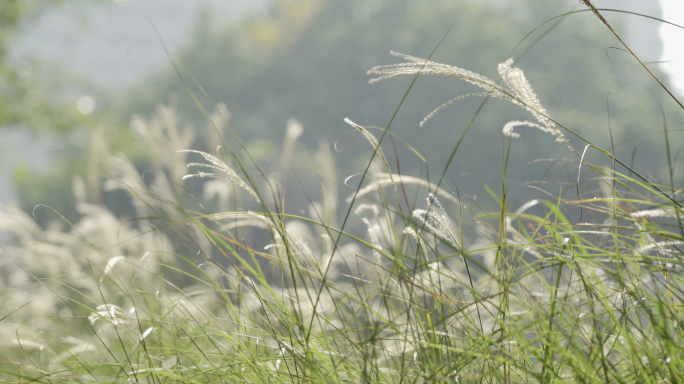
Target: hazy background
<point>74,67</point>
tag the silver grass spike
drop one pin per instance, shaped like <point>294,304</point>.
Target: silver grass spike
<point>517,82</point>
<point>660,245</point>
<point>374,142</point>
<point>436,214</point>
<point>361,208</point>
<point>385,179</point>
<point>419,239</point>
<point>109,312</point>
<point>375,241</point>
<point>110,266</point>
<point>448,103</point>
<point>508,129</point>
<point>415,65</point>
<point>653,213</point>
<point>218,165</point>
<point>299,247</point>
<point>518,90</point>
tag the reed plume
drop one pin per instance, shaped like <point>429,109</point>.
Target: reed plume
<point>518,89</point>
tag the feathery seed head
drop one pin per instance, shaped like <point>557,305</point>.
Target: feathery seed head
<point>436,219</point>
<point>411,232</point>
<point>367,207</point>
<point>373,233</point>
<point>215,163</point>
<point>654,213</point>
<point>386,179</point>
<point>110,265</point>
<point>110,312</point>
<point>508,129</point>
<point>419,239</point>
<point>374,142</point>
<point>526,98</point>
<point>518,90</point>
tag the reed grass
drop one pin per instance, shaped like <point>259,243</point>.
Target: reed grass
<point>395,292</point>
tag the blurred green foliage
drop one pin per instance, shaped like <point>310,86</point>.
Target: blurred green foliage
<point>308,59</point>
<point>38,98</point>
<point>30,93</point>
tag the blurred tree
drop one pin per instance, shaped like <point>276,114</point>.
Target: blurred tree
<point>38,100</point>
<point>308,59</point>
<point>28,95</point>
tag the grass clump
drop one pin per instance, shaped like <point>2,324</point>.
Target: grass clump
<point>440,291</point>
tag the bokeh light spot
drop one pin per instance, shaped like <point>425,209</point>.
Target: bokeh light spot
<point>85,105</point>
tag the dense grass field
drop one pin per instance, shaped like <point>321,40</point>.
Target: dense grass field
<point>211,278</point>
